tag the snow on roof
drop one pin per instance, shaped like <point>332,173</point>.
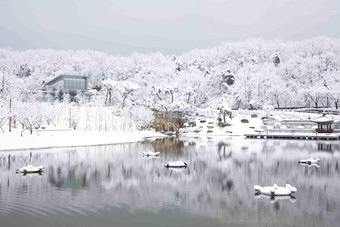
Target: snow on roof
<point>323,119</point>
<point>61,76</point>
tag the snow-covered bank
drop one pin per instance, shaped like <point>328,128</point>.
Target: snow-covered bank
<point>234,127</point>
<point>253,122</point>
<point>70,138</point>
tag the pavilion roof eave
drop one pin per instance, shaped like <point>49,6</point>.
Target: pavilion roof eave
<point>323,120</point>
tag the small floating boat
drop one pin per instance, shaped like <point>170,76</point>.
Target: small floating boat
<point>31,169</point>
<point>310,161</point>
<point>150,153</point>
<point>177,164</point>
<point>275,190</point>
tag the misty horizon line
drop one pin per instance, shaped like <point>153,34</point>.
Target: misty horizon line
<point>182,51</point>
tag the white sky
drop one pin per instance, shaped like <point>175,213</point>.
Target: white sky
<point>169,26</point>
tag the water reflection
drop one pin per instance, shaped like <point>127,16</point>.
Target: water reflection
<point>325,147</point>
<point>218,182</point>
<point>274,199</point>
<point>71,179</point>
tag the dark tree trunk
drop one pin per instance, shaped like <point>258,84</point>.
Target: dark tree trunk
<point>327,102</point>
<point>158,96</point>
<point>109,101</point>
<point>278,104</point>
<point>172,97</point>
<point>108,97</point>
<point>125,97</point>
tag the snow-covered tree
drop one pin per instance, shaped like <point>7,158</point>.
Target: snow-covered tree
<point>109,85</point>
<point>316,93</point>
<point>225,110</point>
<point>125,89</point>
<point>197,77</point>
<point>189,91</point>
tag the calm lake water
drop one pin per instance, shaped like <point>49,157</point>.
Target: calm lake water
<point>116,186</point>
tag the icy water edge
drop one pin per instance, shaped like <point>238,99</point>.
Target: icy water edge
<point>116,186</point>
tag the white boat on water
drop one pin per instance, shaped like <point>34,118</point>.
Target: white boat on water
<point>275,190</point>
<point>31,169</point>
<point>176,164</point>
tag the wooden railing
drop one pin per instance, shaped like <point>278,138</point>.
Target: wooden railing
<point>324,130</point>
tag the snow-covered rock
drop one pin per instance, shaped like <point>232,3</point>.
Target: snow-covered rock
<point>310,161</point>
<point>31,169</point>
<point>176,164</point>
<point>275,190</point>
<point>150,153</point>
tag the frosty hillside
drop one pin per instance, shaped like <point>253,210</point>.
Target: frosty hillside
<point>235,82</point>
<point>243,74</point>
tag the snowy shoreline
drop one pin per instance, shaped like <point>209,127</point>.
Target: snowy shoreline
<point>76,138</point>
<point>239,125</point>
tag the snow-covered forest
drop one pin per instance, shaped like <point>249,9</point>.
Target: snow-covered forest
<point>246,75</point>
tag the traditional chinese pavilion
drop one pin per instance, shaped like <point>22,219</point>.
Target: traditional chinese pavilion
<point>324,124</point>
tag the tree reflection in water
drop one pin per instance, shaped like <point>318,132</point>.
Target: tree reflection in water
<point>218,182</point>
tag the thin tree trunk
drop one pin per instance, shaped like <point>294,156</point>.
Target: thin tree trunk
<point>124,99</point>
<point>172,97</point>
<point>107,95</point>
<point>327,102</point>
<point>110,101</point>
<point>278,104</point>
<point>316,101</point>
<point>158,97</point>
